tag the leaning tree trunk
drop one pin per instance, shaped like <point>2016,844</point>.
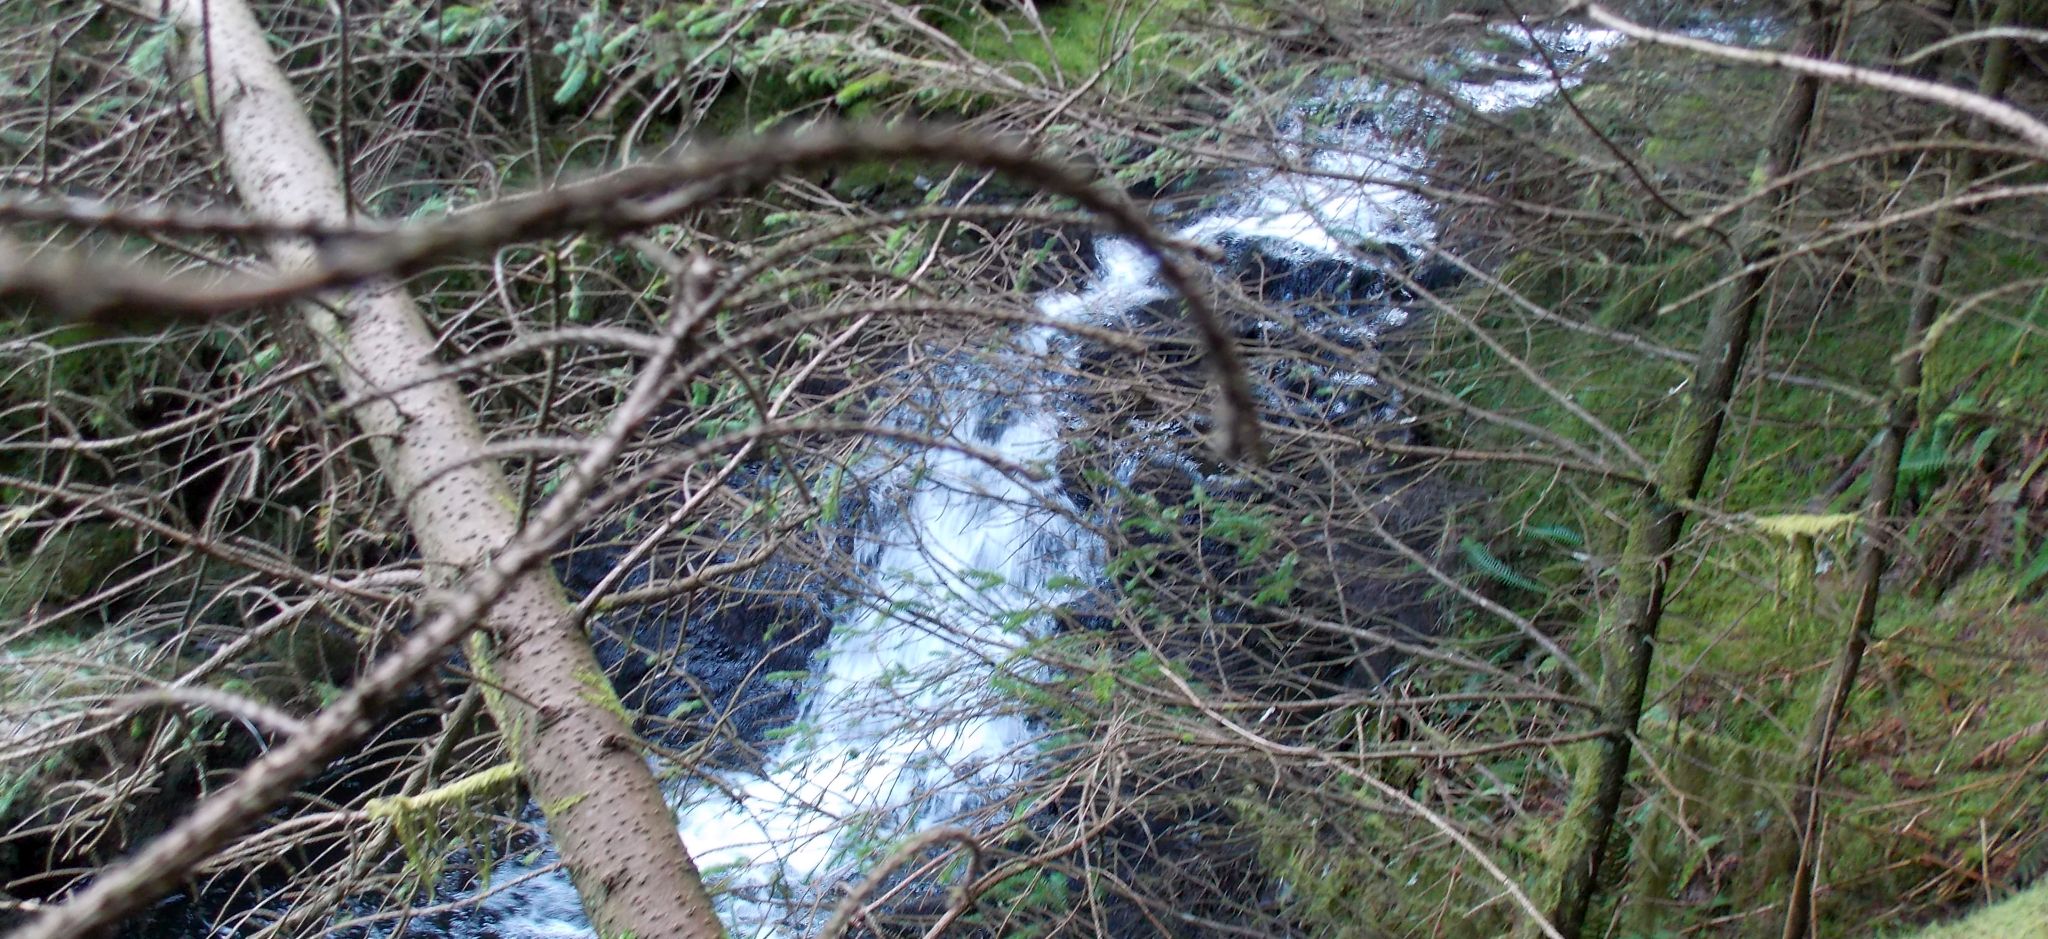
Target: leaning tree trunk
<point>1628,631</point>
<point>605,812</point>
<point>1873,559</point>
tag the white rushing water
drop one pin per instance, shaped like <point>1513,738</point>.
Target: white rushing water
<point>899,730</point>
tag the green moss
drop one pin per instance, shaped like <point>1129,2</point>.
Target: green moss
<point>65,566</point>
<point>48,681</point>
<point>1931,783</point>
<point>1353,869</point>
<point>563,804</point>
<point>1746,636</point>
<point>1080,39</point>
<point>597,691</point>
<point>1996,348</point>
<point>436,822</point>
<point>411,809</point>
<point>2021,916</point>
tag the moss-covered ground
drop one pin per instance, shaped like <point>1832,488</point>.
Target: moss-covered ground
<point>1935,802</point>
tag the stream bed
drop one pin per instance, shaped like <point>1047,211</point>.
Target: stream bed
<point>898,726</point>
<point>961,547</point>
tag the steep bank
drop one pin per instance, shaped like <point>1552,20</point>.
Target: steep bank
<point>1933,804</point>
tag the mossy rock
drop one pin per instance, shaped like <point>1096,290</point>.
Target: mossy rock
<point>61,567</point>
<point>50,688</point>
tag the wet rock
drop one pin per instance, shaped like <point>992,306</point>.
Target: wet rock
<point>724,662</point>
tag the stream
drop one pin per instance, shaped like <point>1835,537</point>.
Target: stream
<point>966,547</point>
<point>899,727</point>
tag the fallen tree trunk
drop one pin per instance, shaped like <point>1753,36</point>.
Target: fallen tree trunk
<point>605,811</point>
<point>568,734</point>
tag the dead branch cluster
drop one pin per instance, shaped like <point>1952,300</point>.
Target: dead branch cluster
<point>1300,657</point>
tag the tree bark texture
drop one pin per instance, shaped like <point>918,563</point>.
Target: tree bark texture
<point>572,743</point>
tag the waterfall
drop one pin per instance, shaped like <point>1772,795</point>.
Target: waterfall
<point>899,730</point>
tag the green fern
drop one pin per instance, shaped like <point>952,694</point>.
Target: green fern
<point>2030,576</point>
<point>1559,535</point>
<point>1494,568</point>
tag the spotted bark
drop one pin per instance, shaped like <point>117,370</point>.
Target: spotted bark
<point>605,811</point>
